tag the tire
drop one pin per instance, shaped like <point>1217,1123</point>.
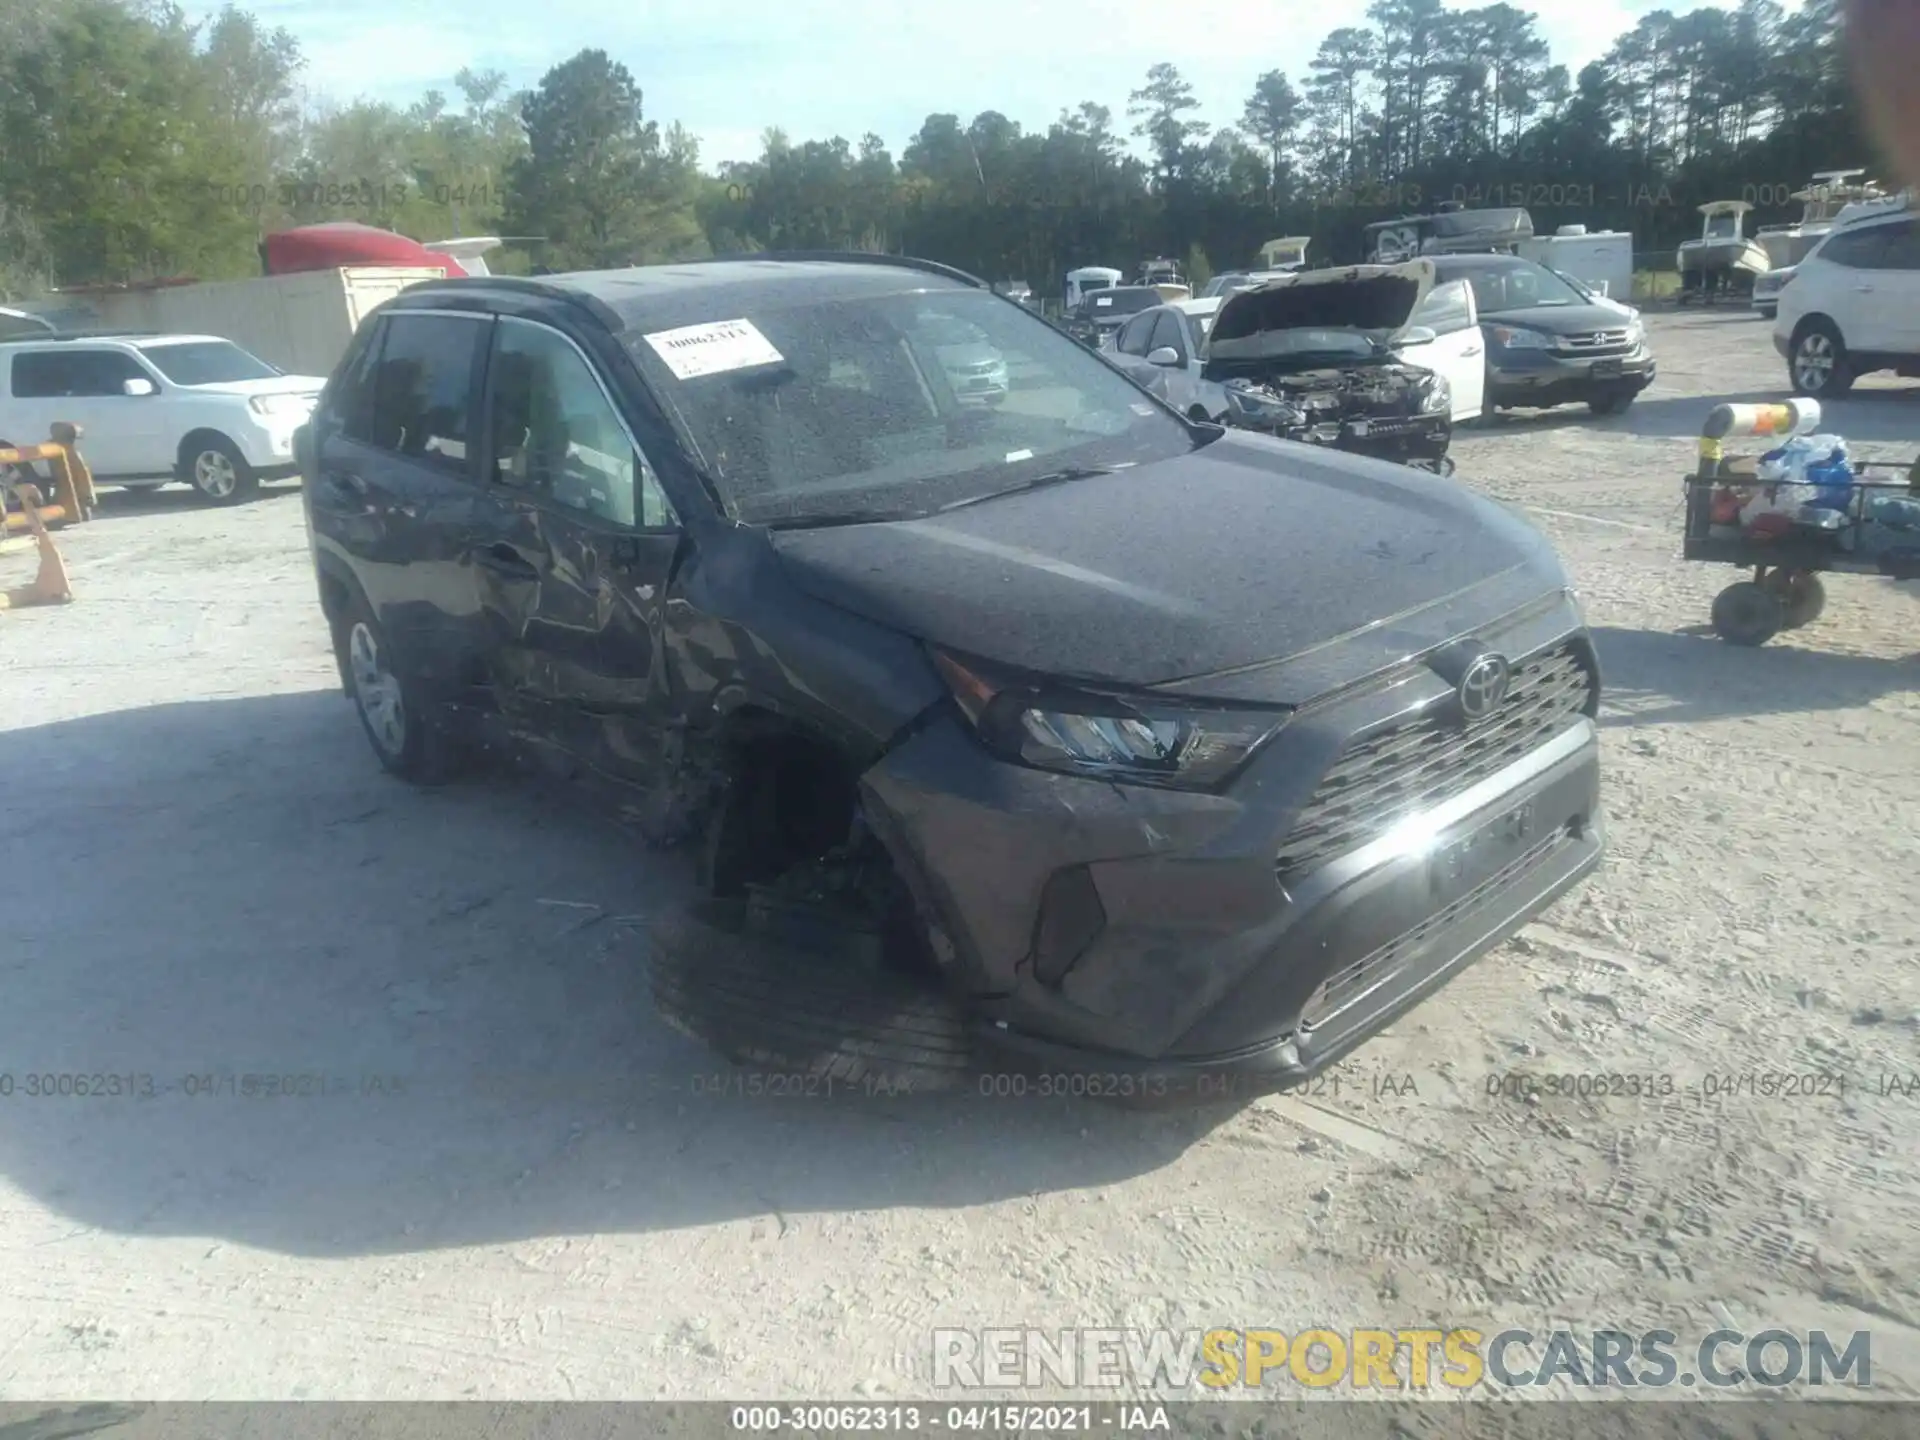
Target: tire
<point>782,1008</point>
<point>402,724</point>
<point>1614,402</point>
<point>214,466</point>
<point>1802,597</point>
<point>1747,614</point>
<point>1817,364</point>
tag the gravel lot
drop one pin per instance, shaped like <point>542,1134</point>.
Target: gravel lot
<point>524,1186</point>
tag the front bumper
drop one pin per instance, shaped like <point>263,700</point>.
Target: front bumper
<point>1154,943</point>
<point>267,442</point>
<point>1543,378</point>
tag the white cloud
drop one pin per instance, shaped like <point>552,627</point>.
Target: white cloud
<point>823,67</point>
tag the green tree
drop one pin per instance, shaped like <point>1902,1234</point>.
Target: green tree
<point>601,182</point>
<point>1272,116</point>
<point>1159,109</point>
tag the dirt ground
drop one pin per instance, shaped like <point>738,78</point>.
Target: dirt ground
<point>520,1184</point>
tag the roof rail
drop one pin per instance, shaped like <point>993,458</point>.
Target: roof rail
<point>42,337</point>
<point>849,257</point>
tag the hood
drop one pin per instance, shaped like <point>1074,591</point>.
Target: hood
<point>1248,550</point>
<point>272,385</point>
<point>1380,299</point>
<point>1565,319</point>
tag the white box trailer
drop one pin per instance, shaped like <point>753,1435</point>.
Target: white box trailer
<point>300,323</point>
<point>1601,260</point>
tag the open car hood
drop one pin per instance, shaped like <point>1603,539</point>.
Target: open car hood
<point>1380,299</point>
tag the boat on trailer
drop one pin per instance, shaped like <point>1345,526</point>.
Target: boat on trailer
<point>1724,258</point>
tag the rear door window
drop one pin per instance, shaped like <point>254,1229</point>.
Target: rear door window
<point>40,375</point>
<point>423,388</point>
<point>1856,249</point>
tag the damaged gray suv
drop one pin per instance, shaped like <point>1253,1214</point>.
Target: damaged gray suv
<point>1067,734</point>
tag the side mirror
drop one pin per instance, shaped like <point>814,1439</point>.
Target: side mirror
<point>1418,335</point>
<point>138,387</point>
<point>1164,355</point>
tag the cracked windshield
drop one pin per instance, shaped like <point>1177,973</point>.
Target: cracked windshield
<point>821,719</point>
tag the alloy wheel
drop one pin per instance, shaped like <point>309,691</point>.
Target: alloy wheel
<point>376,690</point>
<point>1813,362</point>
<point>214,475</point>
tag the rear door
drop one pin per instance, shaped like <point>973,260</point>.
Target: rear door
<point>1459,351</point>
<point>1895,278</point>
<point>125,435</point>
<point>572,554</point>
<point>396,482</point>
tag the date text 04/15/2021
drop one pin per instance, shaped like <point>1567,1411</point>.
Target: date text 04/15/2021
<point>992,1419</point>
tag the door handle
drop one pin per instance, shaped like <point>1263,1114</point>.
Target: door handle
<point>1863,289</point>
<point>503,559</point>
<point>343,483</point>
<point>1471,350</point>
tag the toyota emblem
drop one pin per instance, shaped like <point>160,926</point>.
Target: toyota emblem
<point>1484,686</point>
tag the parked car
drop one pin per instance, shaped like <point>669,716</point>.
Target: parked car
<point>158,408</point>
<point>1333,357</point>
<point>1162,349</point>
<point>1854,306</point>
<point>977,371</point>
<point>1767,288</point>
<point>1067,730</point>
<point>1549,342</point>
<point>17,323</point>
<point>1095,319</point>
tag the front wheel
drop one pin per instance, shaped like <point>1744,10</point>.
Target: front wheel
<point>215,467</point>
<point>400,722</point>
<point>1818,364</point>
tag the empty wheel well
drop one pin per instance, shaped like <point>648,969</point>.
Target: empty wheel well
<point>787,823</point>
<point>787,797</point>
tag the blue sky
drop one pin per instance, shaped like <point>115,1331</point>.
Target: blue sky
<point>826,67</point>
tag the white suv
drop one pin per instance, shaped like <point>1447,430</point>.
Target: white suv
<point>157,408</point>
<point>1853,307</point>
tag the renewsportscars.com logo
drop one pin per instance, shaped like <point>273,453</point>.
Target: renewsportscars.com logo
<point>1407,1358</point>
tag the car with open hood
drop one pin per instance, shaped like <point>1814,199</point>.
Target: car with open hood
<point>1550,341</point>
<point>1376,359</point>
<point>1064,733</point>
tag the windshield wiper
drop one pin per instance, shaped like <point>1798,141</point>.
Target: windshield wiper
<point>1052,477</point>
<point>828,519</point>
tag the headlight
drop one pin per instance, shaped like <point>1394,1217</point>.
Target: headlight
<point>1513,339</point>
<point>1137,740</point>
<point>1436,394</point>
<point>281,404</point>
<point>1636,333</point>
<point>1257,409</point>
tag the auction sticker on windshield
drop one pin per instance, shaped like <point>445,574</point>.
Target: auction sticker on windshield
<point>713,349</point>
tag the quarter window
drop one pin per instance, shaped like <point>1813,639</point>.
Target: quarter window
<point>423,386</point>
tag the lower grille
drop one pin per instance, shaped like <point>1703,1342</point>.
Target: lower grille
<point>1340,990</point>
<point>1425,761</point>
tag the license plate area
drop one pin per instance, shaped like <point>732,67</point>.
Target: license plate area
<point>1459,864</point>
<point>1606,369</point>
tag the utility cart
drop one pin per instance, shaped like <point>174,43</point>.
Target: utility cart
<point>1869,527</point>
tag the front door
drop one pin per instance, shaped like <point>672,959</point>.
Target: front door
<point>572,550</point>
<point>1458,350</point>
